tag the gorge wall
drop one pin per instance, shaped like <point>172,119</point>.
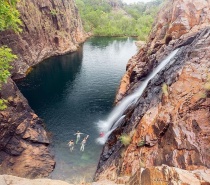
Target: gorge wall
<point>169,127</point>
<point>49,28</point>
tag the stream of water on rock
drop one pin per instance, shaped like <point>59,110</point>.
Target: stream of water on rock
<point>116,116</point>
<point>73,92</point>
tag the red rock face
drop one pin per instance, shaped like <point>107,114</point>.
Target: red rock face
<point>167,126</point>
<point>23,140</point>
<point>49,28</point>
<point>177,21</point>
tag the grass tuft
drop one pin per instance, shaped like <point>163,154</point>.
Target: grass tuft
<point>125,139</point>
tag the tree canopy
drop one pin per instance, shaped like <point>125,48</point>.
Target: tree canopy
<point>9,15</point>
<point>113,18</point>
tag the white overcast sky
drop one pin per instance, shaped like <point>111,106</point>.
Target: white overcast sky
<point>135,1</point>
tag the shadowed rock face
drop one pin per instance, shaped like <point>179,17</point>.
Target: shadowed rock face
<point>49,28</point>
<point>23,140</point>
<point>169,126</point>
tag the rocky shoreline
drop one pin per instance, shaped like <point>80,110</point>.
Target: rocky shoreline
<point>49,28</point>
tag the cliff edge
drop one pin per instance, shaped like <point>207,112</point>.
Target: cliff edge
<point>168,126</point>
<point>49,28</point>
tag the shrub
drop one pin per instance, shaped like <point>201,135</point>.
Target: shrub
<point>141,143</point>
<point>6,57</point>
<point>202,95</point>
<point>165,89</point>
<point>207,86</point>
<point>53,12</point>
<point>3,104</point>
<point>125,139</point>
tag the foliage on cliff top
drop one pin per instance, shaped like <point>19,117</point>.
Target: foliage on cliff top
<point>113,18</point>
<point>9,19</point>
<point>9,15</point>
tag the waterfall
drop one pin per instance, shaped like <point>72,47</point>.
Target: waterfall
<point>116,116</point>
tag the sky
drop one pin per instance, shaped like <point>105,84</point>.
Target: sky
<point>135,1</point>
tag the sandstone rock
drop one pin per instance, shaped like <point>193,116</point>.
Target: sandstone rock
<point>105,182</point>
<point>175,176</point>
<point>49,28</point>
<point>170,130</point>
<point>177,21</point>
<point>140,44</point>
<point>23,140</point>
<point>12,180</point>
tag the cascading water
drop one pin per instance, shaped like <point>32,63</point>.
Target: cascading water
<point>116,116</point>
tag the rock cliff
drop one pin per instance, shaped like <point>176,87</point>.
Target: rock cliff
<point>170,122</point>
<point>23,140</point>
<point>49,28</point>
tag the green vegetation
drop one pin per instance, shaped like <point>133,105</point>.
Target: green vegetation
<point>141,143</point>
<point>207,86</point>
<point>53,12</point>
<point>9,19</point>
<point>9,15</point>
<point>3,104</point>
<point>201,95</point>
<point>113,18</point>
<point>165,89</point>
<point>6,57</point>
<point>125,139</point>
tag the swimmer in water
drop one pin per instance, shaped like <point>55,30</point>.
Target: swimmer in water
<point>101,134</point>
<point>78,136</point>
<point>82,148</point>
<point>71,145</point>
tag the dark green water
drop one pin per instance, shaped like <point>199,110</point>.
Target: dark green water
<point>73,92</point>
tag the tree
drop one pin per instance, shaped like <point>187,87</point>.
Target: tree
<point>9,15</point>
<point>6,57</point>
<point>112,18</point>
<point>9,19</point>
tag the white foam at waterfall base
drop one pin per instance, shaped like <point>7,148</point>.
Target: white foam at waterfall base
<point>109,125</point>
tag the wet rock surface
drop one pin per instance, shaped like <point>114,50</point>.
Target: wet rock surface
<point>167,126</point>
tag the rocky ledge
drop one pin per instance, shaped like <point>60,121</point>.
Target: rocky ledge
<point>169,175</point>
<point>23,140</point>
<point>49,28</point>
<point>169,124</point>
<point>12,180</point>
<point>177,23</point>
